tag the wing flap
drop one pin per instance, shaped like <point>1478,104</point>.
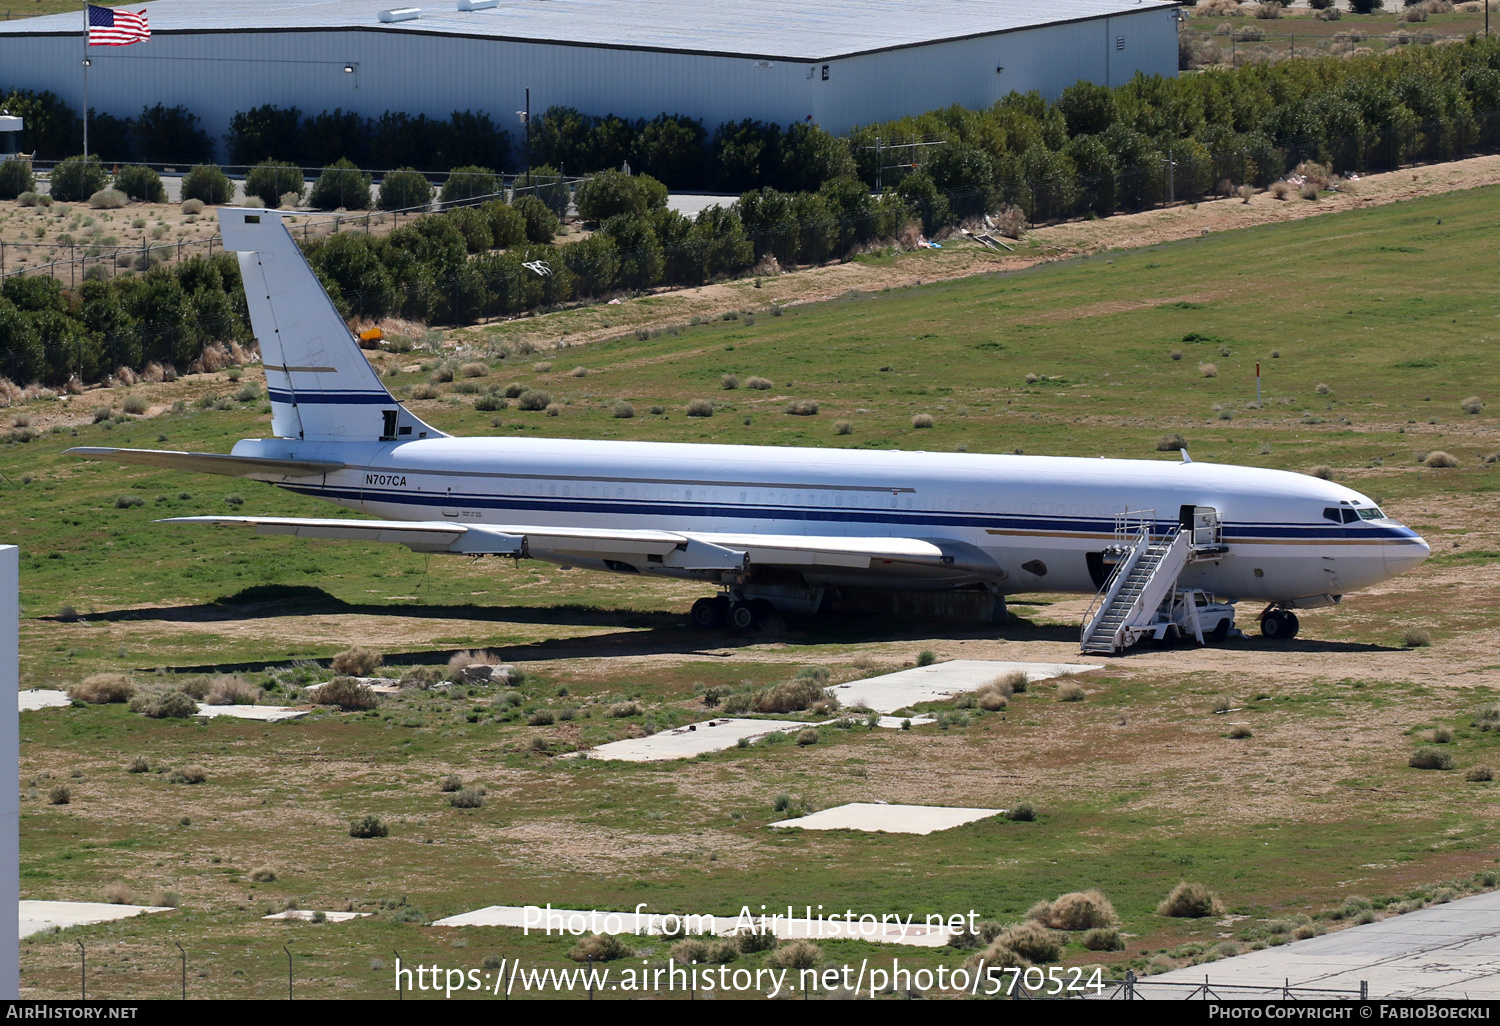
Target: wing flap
<point>208,462</point>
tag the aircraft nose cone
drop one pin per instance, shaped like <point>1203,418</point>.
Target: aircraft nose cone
<point>1405,554</point>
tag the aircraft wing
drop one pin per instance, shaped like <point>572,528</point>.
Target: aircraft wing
<point>207,462</point>
<point>636,549</point>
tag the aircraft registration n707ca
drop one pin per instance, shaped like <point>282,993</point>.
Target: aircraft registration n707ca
<point>1165,546</point>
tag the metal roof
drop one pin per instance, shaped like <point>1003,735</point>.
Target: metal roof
<point>785,29</point>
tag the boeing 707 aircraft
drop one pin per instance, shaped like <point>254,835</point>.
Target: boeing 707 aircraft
<point>780,530</point>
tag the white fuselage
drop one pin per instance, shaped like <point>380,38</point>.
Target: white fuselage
<point>1024,523</point>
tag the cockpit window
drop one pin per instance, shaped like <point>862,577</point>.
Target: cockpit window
<point>1332,513</point>
<point>1371,513</point>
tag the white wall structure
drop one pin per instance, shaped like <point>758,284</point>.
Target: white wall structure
<point>838,63</point>
<point>10,773</point>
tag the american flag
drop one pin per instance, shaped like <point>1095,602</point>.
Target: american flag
<point>109,27</point>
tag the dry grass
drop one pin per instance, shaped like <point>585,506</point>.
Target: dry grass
<point>1415,637</point>
<point>1032,941</point>
<point>797,954</point>
<point>1440,460</point>
<point>1190,901</point>
<point>700,408</point>
<point>474,370</point>
<point>356,662</point>
<point>922,420</point>
<point>601,947</point>
<point>790,696</point>
<point>346,693</point>
<point>1075,911</point>
<point>1208,370</point>
<point>193,774</point>
<point>761,384</point>
<point>263,874</point>
<point>103,689</point>
<point>232,690</point>
<point>1070,692</point>
<point>1473,404</point>
<point>117,893</point>
<point>802,407</point>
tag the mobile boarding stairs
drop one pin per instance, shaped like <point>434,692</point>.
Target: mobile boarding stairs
<point>1141,598</point>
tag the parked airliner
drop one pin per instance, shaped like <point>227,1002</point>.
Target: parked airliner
<point>772,530</point>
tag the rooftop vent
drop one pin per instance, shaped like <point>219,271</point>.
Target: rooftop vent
<point>401,14</point>
<point>477,5</point>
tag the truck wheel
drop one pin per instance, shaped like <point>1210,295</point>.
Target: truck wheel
<point>1221,629</point>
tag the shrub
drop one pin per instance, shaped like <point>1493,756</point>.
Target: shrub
<point>802,407</point>
<point>1240,731</point>
<point>1473,404</point>
<point>356,662</point>
<point>16,178</point>
<point>758,383</point>
<point>541,718</point>
<point>192,206</point>
<point>117,893</point>
<point>926,657</point>
<point>1479,774</point>
<point>1076,910</point>
<point>102,689</point>
<point>368,826</point>
<point>470,182</point>
<point>271,181</point>
<point>187,775</point>
<point>1322,471</point>
<point>1415,637</point>
<point>1103,940</point>
<point>790,696</point>
<point>74,180</point>
<point>467,798</point>
<point>622,709</point>
<point>140,183</point>
<point>346,693</point>
<point>729,382</point>
<point>166,705</point>
<point>1190,901</point>
<point>807,736</point>
<point>59,795</point>
<point>108,199</point>
<point>452,782</point>
<point>922,420</point>
<point>750,942</point>
<point>1439,460</point>
<point>1430,759</point>
<point>624,411</point>
<point>1170,443</point>
<point>208,184</point>
<point>263,874</point>
<point>601,947</point>
<point>403,189</point>
<point>552,410</point>
<point>532,399</point>
<point>341,185</point>
<point>135,404</point>
<point>797,954</point>
<point>690,950</point>
<point>541,222</point>
<point>843,427</point>
<point>1021,813</point>
<point>474,370</point>
<point>700,408</point>
<point>609,193</point>
<point>138,765</point>
<point>1487,717</point>
<point>1032,941</point>
<point>1208,370</point>
<point>1070,692</point>
<point>232,690</point>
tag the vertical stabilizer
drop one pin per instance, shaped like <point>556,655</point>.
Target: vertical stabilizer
<point>321,386</point>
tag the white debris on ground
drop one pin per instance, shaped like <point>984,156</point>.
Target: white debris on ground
<point>889,819</point>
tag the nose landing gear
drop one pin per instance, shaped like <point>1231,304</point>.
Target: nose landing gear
<point>1279,624</point>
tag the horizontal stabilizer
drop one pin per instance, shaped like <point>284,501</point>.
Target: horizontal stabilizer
<point>208,462</point>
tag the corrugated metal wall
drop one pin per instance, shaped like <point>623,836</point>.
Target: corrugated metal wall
<point>217,74</point>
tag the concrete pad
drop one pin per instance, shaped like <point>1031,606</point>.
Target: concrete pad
<point>889,819</point>
<point>30,701</point>
<point>691,740</point>
<point>379,685</point>
<point>586,921</point>
<point>894,722</point>
<point>41,916</point>
<point>940,681</point>
<point>267,713</point>
<point>306,914</point>
<point>1446,951</point>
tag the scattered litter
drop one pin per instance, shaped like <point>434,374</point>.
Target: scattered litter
<point>889,819</point>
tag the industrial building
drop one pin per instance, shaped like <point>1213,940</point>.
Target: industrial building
<point>836,63</point>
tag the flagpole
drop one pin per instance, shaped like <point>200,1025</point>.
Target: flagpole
<point>85,89</point>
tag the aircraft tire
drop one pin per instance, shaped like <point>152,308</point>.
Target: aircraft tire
<point>742,616</point>
<point>705,614</point>
<point>1293,625</point>
<point>1279,625</point>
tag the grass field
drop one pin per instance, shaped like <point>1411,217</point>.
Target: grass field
<point>1393,309</point>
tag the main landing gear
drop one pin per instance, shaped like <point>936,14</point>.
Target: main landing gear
<point>1279,624</point>
<point>723,611</point>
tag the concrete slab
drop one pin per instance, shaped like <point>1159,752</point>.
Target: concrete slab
<point>306,914</point>
<point>1446,951</point>
<point>30,701</point>
<point>41,916</point>
<point>889,819</point>
<point>379,685</point>
<point>940,681</point>
<point>689,741</point>
<point>267,713</point>
<point>894,722</point>
<point>691,204</point>
<point>649,922</point>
